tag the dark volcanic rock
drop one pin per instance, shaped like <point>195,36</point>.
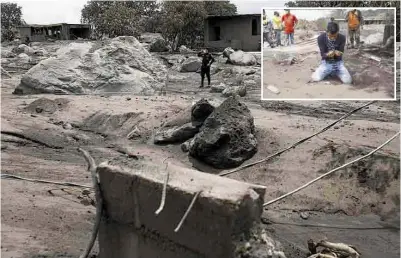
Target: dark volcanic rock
<point>200,111</point>
<point>226,138</point>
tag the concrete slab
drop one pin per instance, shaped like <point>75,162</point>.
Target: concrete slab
<point>225,209</point>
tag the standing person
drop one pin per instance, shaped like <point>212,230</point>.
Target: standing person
<point>354,19</point>
<point>277,26</point>
<point>290,21</point>
<point>331,45</point>
<point>207,60</point>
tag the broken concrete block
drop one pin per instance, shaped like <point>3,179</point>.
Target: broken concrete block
<point>132,191</point>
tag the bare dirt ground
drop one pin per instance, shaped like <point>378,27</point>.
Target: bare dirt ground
<point>292,80</point>
<point>37,222</point>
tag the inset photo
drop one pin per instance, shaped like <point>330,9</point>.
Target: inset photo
<point>328,54</point>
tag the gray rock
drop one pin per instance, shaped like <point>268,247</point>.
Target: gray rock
<point>234,90</point>
<point>120,64</point>
<point>191,64</point>
<point>226,138</point>
<point>7,54</point>
<point>184,50</point>
<point>160,45</point>
<point>227,52</point>
<point>175,134</point>
<point>218,88</point>
<point>186,145</point>
<point>200,111</point>
<point>242,58</point>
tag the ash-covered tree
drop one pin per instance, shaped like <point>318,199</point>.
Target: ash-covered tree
<point>372,4</point>
<point>220,8</point>
<point>11,16</point>
<point>118,18</point>
<point>183,22</point>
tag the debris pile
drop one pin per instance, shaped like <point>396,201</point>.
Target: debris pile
<point>121,64</point>
<point>223,137</point>
<point>332,250</point>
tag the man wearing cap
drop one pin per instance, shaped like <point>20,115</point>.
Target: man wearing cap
<point>207,61</point>
<point>331,45</point>
<point>290,21</point>
<point>354,19</point>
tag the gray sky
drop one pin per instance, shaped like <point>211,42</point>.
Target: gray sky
<point>69,11</point>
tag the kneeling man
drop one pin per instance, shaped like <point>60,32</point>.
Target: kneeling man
<point>331,44</point>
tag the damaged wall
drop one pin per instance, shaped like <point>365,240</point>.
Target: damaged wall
<point>239,32</point>
<point>132,193</point>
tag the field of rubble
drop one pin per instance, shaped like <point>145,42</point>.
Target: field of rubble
<point>113,98</point>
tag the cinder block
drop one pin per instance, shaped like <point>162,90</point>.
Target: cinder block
<point>225,209</point>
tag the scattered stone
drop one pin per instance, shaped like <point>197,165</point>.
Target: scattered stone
<point>160,45</point>
<point>304,215</point>
<point>186,145</point>
<point>7,54</point>
<point>67,126</point>
<point>175,134</point>
<point>227,52</point>
<point>218,88</point>
<point>128,98</point>
<point>120,64</point>
<point>234,90</point>
<point>23,49</point>
<point>273,89</point>
<point>200,111</point>
<point>40,52</point>
<point>226,138</point>
<point>242,58</point>
<point>184,50</point>
<point>191,64</point>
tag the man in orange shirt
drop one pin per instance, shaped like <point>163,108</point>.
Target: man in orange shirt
<point>289,21</point>
<point>354,20</point>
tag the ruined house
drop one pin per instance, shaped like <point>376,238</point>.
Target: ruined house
<point>61,31</point>
<point>237,31</point>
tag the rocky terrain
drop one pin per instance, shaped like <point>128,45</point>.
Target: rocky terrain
<point>358,205</point>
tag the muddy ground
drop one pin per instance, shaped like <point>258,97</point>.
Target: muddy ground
<point>293,80</point>
<point>40,220</point>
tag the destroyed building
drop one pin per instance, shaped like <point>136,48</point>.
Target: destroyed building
<point>60,31</point>
<point>236,31</point>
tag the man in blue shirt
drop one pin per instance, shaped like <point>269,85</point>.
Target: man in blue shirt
<point>331,45</point>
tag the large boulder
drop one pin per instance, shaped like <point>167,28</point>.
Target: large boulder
<point>159,45</point>
<point>154,42</point>
<point>226,138</point>
<point>242,58</point>
<point>121,64</point>
<point>191,64</point>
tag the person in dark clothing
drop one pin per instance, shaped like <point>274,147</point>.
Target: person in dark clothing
<point>207,61</point>
<point>27,41</point>
<point>331,45</point>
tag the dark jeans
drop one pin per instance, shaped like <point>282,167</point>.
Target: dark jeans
<point>205,70</point>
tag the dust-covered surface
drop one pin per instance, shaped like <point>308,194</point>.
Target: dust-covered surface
<point>58,223</point>
<point>372,72</point>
